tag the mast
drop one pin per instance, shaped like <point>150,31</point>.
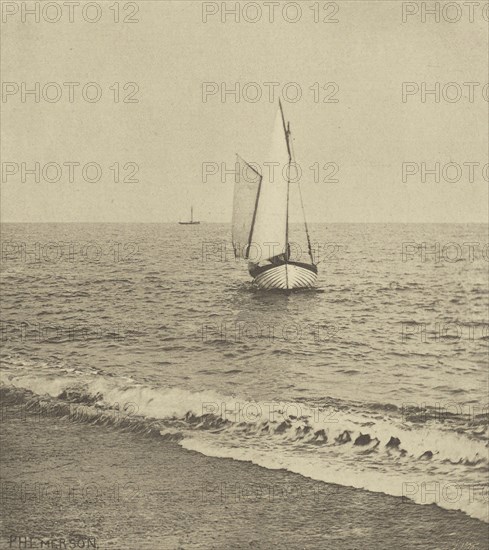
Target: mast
<point>247,253</point>
<point>287,133</point>
<point>191,214</point>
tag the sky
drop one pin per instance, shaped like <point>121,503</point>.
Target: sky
<point>171,148</point>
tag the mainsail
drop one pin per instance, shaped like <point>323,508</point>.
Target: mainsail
<point>246,193</point>
<point>270,228</point>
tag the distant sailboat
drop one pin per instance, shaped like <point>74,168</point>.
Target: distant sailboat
<point>261,229</point>
<point>191,222</point>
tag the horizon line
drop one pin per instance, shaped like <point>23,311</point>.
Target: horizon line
<point>229,223</point>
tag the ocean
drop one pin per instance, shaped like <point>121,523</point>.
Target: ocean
<point>377,379</point>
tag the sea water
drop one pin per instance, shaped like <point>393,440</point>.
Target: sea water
<point>377,379</point>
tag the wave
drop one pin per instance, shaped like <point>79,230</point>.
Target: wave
<point>375,448</point>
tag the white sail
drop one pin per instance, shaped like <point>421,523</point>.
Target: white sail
<point>270,227</point>
<point>246,190</point>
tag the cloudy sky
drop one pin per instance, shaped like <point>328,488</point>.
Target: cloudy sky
<point>161,143</point>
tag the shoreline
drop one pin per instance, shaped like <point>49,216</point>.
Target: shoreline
<point>63,480</point>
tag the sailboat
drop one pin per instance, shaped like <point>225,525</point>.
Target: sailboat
<point>191,222</point>
<point>261,232</point>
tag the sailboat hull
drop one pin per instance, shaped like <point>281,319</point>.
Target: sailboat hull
<point>286,276</point>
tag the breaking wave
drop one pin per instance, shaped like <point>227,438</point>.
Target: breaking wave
<point>379,448</point>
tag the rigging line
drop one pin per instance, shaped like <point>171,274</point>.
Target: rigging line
<point>286,128</point>
<point>303,211</point>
